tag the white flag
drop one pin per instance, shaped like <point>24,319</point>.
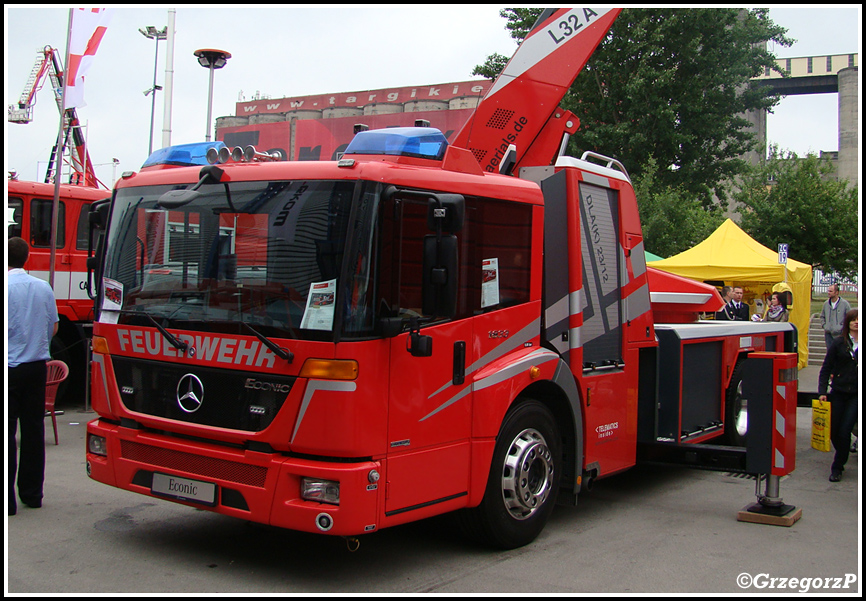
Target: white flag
<point>88,27</point>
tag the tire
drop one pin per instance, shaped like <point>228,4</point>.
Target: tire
<point>523,481</point>
<point>736,409</point>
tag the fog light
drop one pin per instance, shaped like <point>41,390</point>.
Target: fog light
<point>324,522</point>
<point>97,445</point>
<point>322,491</point>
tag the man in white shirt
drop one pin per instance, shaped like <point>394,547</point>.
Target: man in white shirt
<point>32,323</point>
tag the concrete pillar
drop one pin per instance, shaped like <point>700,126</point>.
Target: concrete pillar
<point>849,136</point>
<point>758,126</point>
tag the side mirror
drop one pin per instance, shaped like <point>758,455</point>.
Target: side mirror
<point>94,270</point>
<point>98,218</point>
<point>445,213</point>
<point>439,280</point>
<point>98,215</point>
<point>174,199</point>
<point>417,344</point>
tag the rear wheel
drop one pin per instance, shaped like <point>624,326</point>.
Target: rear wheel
<point>523,480</point>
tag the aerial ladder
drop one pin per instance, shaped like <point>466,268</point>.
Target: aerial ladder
<point>522,106</point>
<point>48,65</point>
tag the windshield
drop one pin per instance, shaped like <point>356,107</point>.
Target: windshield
<point>268,254</point>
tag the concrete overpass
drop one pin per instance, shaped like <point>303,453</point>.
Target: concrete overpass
<point>836,73</point>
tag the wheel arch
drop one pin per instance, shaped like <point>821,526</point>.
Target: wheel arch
<point>560,395</point>
<point>512,384</point>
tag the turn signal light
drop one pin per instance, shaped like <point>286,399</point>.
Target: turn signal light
<point>99,345</point>
<point>330,369</point>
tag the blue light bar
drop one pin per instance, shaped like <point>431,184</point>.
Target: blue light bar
<point>421,142</point>
<point>182,155</point>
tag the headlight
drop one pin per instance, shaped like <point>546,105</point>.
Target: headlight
<point>96,445</point>
<point>322,491</point>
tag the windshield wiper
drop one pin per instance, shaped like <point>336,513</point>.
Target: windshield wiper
<point>279,351</point>
<point>178,344</point>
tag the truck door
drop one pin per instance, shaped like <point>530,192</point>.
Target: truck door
<point>429,407</point>
<point>607,376</point>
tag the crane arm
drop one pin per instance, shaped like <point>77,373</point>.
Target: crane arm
<point>23,112</point>
<point>48,65</point>
<point>522,106</point>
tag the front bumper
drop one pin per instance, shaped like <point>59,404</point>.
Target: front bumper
<point>260,487</point>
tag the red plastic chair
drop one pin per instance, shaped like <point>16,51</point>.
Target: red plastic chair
<point>57,372</point>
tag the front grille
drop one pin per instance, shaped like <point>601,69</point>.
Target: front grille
<point>225,398</point>
<point>208,467</point>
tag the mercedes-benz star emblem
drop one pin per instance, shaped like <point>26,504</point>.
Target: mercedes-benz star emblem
<point>190,393</point>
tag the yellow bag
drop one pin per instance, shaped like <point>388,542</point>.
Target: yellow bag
<point>821,425</point>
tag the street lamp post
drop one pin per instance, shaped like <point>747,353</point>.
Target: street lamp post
<point>211,59</point>
<point>153,33</point>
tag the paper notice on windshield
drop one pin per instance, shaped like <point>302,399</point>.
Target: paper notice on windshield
<point>319,314</point>
<point>112,300</point>
<point>489,283</point>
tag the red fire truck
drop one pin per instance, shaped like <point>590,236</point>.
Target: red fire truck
<point>413,329</point>
<point>29,207</point>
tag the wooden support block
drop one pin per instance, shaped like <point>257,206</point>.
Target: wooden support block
<point>754,517</point>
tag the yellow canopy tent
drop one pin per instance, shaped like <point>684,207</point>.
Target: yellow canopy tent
<point>731,256</point>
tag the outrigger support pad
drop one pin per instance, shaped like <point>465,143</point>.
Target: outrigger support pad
<point>769,509</point>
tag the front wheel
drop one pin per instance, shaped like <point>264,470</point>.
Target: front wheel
<point>523,481</point>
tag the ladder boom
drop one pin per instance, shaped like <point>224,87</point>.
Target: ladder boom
<point>526,95</point>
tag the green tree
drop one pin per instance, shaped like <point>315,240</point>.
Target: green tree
<point>671,218</point>
<point>671,84</point>
<point>520,20</point>
<point>794,201</point>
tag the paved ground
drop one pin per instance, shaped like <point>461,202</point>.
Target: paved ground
<point>649,530</point>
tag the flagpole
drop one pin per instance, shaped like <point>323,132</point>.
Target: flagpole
<point>58,158</point>
<point>169,80</point>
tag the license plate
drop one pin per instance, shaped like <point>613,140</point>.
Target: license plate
<point>184,489</point>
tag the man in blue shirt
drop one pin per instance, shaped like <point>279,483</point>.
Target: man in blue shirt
<point>32,323</point>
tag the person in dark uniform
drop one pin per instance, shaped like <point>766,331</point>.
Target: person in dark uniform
<point>738,309</point>
<point>841,364</point>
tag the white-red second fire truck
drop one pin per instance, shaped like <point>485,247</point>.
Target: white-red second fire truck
<point>344,346</point>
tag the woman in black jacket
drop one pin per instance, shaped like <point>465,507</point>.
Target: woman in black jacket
<point>841,364</point>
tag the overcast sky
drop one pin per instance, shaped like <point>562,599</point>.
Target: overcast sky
<point>299,50</point>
